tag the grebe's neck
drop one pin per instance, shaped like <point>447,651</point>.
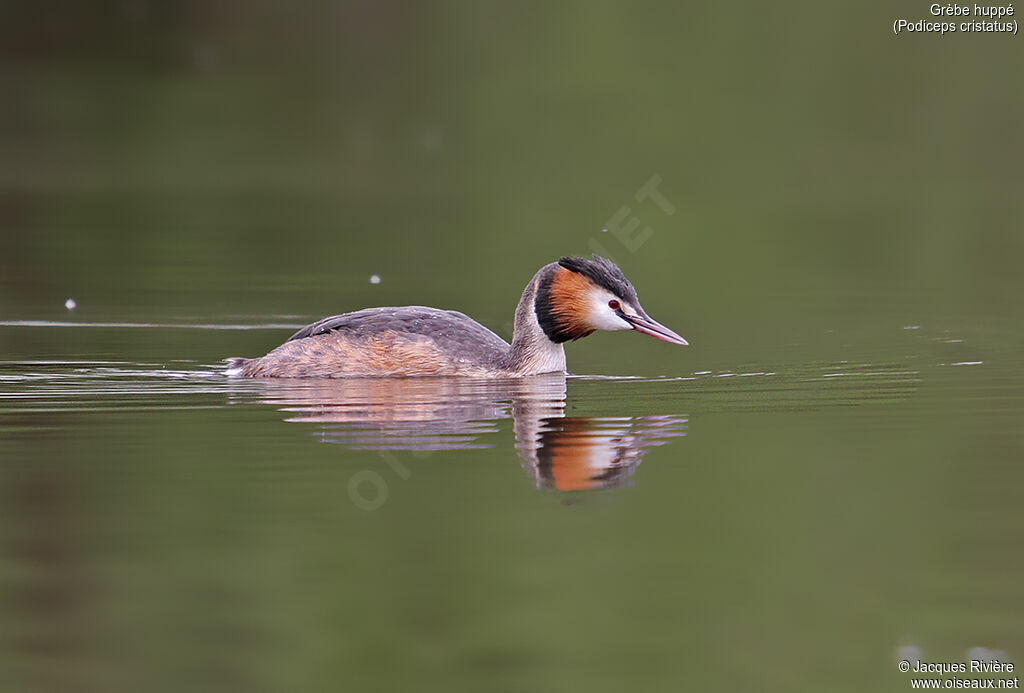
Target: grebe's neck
<point>532,351</point>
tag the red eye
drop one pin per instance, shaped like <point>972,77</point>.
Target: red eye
<point>613,304</point>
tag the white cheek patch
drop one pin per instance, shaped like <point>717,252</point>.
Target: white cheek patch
<point>601,316</point>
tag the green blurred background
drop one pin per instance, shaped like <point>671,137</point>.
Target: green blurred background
<point>256,162</point>
<point>180,157</point>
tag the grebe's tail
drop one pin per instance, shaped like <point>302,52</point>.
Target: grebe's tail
<point>236,365</point>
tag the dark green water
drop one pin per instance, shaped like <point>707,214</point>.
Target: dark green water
<point>788,522</point>
<point>826,481</point>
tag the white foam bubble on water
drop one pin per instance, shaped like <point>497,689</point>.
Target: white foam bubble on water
<point>909,653</point>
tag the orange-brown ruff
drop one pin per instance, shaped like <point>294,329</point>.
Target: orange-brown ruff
<point>569,291</point>
<point>565,300</point>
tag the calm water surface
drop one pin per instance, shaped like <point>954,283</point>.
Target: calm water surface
<point>826,481</point>
<point>800,521</point>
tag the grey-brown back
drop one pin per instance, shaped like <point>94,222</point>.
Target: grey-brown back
<point>454,332</point>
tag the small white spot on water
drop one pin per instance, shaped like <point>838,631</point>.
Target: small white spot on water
<point>70,304</point>
<point>375,279</point>
<point>912,327</point>
<point>953,341</point>
<point>430,140</point>
<point>967,363</point>
<point>909,653</point>
<point>986,655</point>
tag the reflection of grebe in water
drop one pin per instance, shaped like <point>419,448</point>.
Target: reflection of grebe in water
<point>426,414</point>
<point>566,300</point>
<point>579,453</point>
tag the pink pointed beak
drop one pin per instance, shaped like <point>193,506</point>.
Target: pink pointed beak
<point>645,325</point>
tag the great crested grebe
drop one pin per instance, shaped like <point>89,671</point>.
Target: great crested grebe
<point>568,299</point>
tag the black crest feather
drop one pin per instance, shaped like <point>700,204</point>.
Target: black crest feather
<point>604,273</point>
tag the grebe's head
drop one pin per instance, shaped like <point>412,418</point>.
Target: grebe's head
<point>580,296</point>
